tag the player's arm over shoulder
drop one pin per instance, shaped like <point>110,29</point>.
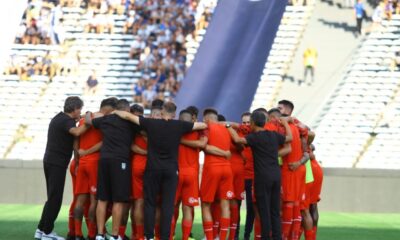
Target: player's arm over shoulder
<point>235,136</point>
<point>199,126</point>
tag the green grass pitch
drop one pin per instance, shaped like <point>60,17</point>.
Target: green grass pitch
<point>18,222</point>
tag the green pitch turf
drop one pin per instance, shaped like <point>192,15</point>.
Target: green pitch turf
<point>18,222</point>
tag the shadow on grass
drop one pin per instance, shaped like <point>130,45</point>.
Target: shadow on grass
<point>23,230</point>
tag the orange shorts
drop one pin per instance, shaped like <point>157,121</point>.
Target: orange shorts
<point>187,190</point>
<point>317,185</point>
<point>216,183</point>
<point>293,184</point>
<point>238,181</point>
<point>137,182</point>
<point>86,178</point>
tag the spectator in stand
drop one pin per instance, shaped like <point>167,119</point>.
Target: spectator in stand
<point>138,89</point>
<point>149,95</point>
<point>309,60</point>
<point>92,84</point>
<point>378,16</point>
<point>359,12</point>
<point>395,62</point>
<point>388,9</point>
<point>137,47</point>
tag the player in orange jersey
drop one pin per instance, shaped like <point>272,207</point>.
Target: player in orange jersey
<point>217,181</point>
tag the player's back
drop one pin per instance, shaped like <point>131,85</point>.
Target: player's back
<point>139,160</point>
<point>218,136</point>
<point>87,140</point>
<point>296,153</point>
<point>188,157</point>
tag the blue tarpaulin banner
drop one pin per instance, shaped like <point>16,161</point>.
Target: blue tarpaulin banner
<point>230,60</point>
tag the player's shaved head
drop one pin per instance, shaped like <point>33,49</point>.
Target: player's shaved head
<point>157,104</point>
<point>221,118</point>
<point>258,119</point>
<point>285,107</point>
<point>274,113</point>
<point>210,114</point>
<point>108,105</point>
<point>109,102</point>
<point>185,115</point>
<point>263,110</point>
<point>168,110</point>
<point>137,110</point>
<point>123,105</point>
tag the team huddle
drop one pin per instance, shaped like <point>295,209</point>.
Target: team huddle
<point>127,165</point>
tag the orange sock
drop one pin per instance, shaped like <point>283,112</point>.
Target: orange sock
<point>186,229</point>
<point>309,234</point>
<point>158,233</point>
<point>257,229</point>
<point>296,221</point>
<point>216,215</point>
<point>287,220</point>
<point>92,229</point>
<point>139,229</point>
<point>223,230</point>
<point>121,231</point>
<point>208,230</point>
<point>234,220</point>
<point>315,231</point>
<point>78,228</point>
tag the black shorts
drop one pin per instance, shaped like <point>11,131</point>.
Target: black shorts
<point>114,180</point>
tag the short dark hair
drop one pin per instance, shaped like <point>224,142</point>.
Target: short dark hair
<point>258,118</point>
<point>221,118</point>
<point>137,108</point>
<point>111,102</point>
<point>169,107</point>
<point>274,110</point>
<point>261,110</point>
<point>245,114</point>
<point>287,103</point>
<point>185,111</point>
<point>157,104</point>
<point>72,103</point>
<point>193,110</point>
<point>122,104</point>
<point>210,111</point>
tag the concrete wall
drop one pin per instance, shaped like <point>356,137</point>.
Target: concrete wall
<point>344,190</point>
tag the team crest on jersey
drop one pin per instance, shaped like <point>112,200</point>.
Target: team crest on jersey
<point>193,200</point>
<point>123,166</point>
<point>229,194</point>
<point>243,195</point>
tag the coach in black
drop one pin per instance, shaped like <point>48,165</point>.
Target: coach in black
<point>114,171</point>
<point>161,174</point>
<point>59,148</point>
<point>267,174</point>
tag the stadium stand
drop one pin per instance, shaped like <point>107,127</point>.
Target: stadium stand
<point>357,126</point>
<point>286,42</point>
